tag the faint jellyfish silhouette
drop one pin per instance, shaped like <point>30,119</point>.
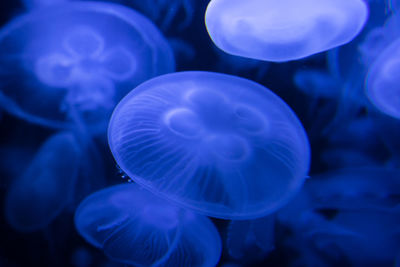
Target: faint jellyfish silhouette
<point>251,240</point>
<point>283,30</point>
<point>32,4</point>
<point>370,188</point>
<point>47,185</point>
<point>133,226</point>
<point>317,83</point>
<point>218,144</point>
<point>164,12</point>
<point>62,65</point>
<point>382,81</point>
<point>363,237</point>
<point>347,215</point>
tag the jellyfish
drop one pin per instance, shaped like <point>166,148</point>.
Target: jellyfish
<point>368,188</point>
<point>382,81</point>
<point>218,144</point>
<point>164,12</point>
<point>317,83</point>
<point>349,215</point>
<point>69,64</point>
<point>40,194</point>
<point>251,240</point>
<point>361,237</point>
<point>283,30</point>
<point>133,226</point>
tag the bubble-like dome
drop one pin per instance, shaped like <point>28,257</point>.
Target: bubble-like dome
<point>283,30</point>
<point>218,144</point>
<point>133,226</point>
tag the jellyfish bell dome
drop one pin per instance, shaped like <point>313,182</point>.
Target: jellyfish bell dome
<point>133,226</point>
<point>382,83</point>
<point>283,30</point>
<point>81,56</point>
<point>218,144</point>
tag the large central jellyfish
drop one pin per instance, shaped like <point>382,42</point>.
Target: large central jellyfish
<point>282,30</point>
<point>218,144</point>
<point>77,60</point>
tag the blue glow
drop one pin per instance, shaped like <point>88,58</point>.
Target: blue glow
<point>133,226</point>
<point>251,240</point>
<point>283,30</point>
<point>68,64</point>
<point>382,81</point>
<point>218,144</point>
<point>46,187</point>
<point>283,127</point>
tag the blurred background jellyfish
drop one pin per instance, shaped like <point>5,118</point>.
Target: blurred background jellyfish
<point>133,226</point>
<point>283,30</point>
<point>164,12</point>
<point>251,240</point>
<point>47,185</point>
<point>218,144</point>
<point>74,61</point>
<point>349,216</point>
<point>382,83</point>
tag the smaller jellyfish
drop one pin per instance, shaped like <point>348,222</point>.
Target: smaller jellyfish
<point>283,30</point>
<point>362,237</point>
<point>348,215</point>
<point>46,187</point>
<point>64,67</point>
<point>222,145</point>
<point>364,188</point>
<point>317,83</point>
<point>382,82</point>
<point>251,240</point>
<point>165,12</point>
<point>133,226</point>
<point>336,158</point>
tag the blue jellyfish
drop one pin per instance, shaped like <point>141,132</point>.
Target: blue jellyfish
<point>317,83</point>
<point>382,81</point>
<point>165,12</point>
<point>362,237</point>
<point>47,185</point>
<point>251,240</point>
<point>133,226</point>
<point>370,188</point>
<point>347,215</point>
<point>218,144</point>
<point>283,30</point>
<point>74,61</point>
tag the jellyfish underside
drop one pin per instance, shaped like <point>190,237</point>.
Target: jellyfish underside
<point>283,30</point>
<point>133,226</point>
<point>186,140</point>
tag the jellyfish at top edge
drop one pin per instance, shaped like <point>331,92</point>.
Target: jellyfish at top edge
<point>133,226</point>
<point>283,30</point>
<point>382,82</point>
<point>47,185</point>
<point>76,60</point>
<point>222,145</point>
